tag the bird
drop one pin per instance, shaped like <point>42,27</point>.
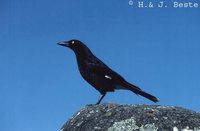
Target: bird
<point>98,74</point>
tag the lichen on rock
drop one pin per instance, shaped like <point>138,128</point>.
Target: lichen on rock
<point>114,117</point>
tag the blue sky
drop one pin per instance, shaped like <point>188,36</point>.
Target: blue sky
<point>40,85</point>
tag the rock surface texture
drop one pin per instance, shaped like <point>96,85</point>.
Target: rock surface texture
<point>114,117</point>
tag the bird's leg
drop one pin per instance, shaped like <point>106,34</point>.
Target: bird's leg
<point>100,98</point>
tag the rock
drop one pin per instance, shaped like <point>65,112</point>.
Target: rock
<point>114,117</point>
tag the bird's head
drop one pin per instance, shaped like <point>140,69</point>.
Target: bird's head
<point>77,46</point>
<point>72,44</point>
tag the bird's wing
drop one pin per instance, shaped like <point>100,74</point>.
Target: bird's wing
<point>104,71</point>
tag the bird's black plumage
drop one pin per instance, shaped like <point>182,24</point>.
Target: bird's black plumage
<point>98,74</point>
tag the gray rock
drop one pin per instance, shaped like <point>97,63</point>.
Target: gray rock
<point>114,117</point>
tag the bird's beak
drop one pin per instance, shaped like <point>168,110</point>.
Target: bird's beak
<point>63,43</point>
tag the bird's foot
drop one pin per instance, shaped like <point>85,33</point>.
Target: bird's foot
<point>90,105</point>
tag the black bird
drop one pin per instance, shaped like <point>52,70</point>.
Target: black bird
<point>98,74</point>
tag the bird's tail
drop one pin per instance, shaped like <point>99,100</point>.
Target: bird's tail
<point>138,91</point>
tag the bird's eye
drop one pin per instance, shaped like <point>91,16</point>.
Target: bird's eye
<point>72,42</point>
